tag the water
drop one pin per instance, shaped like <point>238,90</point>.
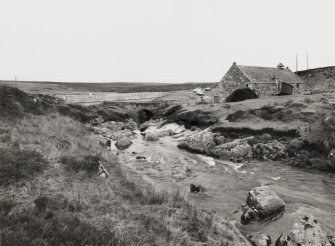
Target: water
<point>227,184</point>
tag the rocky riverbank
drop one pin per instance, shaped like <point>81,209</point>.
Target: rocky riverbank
<point>225,143</point>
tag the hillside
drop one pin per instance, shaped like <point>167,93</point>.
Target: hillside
<point>36,87</point>
<point>322,78</point>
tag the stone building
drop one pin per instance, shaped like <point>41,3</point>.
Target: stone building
<point>266,81</point>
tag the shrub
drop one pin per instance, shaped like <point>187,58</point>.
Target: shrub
<point>41,203</point>
<point>17,164</point>
<point>5,138</point>
<point>59,229</point>
<point>89,163</point>
<point>6,206</point>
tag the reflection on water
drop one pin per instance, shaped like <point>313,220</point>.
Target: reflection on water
<point>227,184</point>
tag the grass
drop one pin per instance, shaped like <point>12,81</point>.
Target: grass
<point>88,163</point>
<point>60,204</point>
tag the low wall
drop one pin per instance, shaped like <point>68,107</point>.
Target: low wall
<point>101,97</point>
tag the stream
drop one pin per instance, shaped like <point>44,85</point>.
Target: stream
<point>227,184</point>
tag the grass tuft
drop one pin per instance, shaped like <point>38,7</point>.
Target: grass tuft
<point>17,164</point>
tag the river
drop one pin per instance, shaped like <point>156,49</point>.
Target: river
<point>227,184</point>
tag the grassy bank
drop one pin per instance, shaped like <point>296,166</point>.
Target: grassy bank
<point>51,193</point>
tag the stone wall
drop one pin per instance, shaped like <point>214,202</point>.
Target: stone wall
<point>264,90</point>
<point>233,79</point>
<point>298,88</point>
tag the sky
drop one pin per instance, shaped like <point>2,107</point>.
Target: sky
<point>160,40</point>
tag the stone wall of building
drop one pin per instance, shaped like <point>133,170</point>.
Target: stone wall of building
<point>233,79</point>
<point>298,88</point>
<point>270,89</point>
<point>264,90</point>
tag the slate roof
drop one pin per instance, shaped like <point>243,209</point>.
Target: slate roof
<point>268,74</point>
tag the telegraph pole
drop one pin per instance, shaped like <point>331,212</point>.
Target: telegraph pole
<point>296,62</point>
<point>307,59</point>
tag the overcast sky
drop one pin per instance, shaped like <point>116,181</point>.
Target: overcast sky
<point>160,40</point>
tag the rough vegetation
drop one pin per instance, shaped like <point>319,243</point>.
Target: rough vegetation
<point>198,118</point>
<point>15,103</point>
<point>321,79</point>
<point>17,164</point>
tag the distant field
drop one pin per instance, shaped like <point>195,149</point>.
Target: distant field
<point>121,87</point>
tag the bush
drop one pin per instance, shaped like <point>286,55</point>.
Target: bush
<point>89,163</point>
<point>60,229</point>
<point>41,203</point>
<point>6,206</point>
<point>17,164</point>
<point>5,138</point>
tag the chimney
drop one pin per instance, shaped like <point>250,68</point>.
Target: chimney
<point>280,66</point>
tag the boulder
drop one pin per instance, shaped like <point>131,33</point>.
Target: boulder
<point>248,215</point>
<point>219,139</point>
<point>144,126</point>
<point>130,125</point>
<point>259,239</point>
<point>305,231</point>
<point>264,202</point>
<point>272,150</point>
<point>295,143</point>
<point>200,142</point>
<point>239,149</point>
<point>194,128</point>
<point>196,188</point>
<point>140,157</point>
<point>123,143</point>
<point>164,133</point>
<point>151,137</point>
<point>308,111</point>
<point>265,137</point>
